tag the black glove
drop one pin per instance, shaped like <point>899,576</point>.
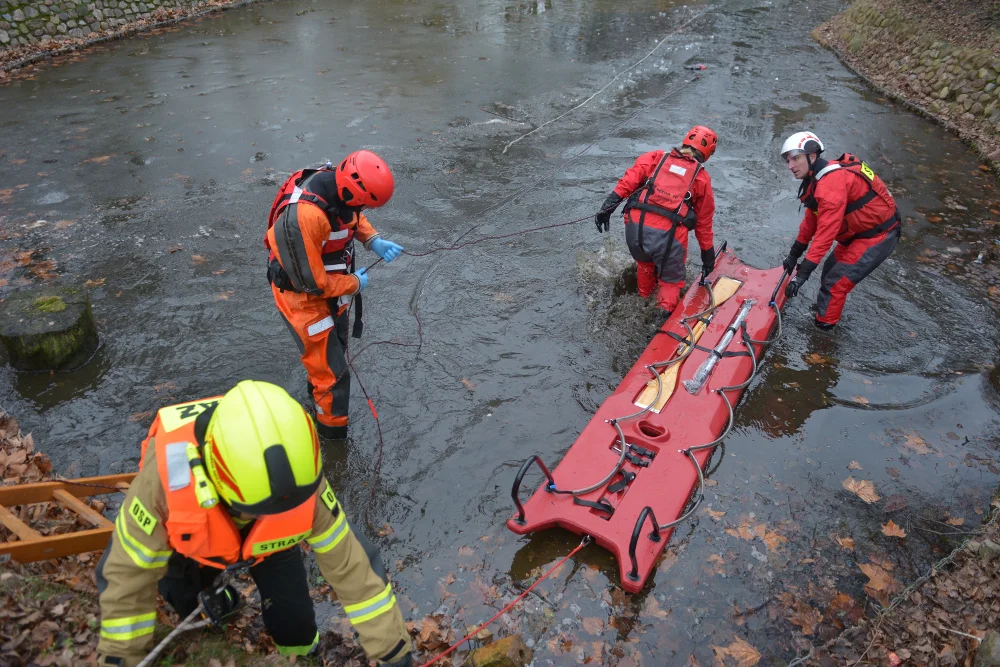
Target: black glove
<point>805,270</point>
<point>603,217</point>
<point>793,256</point>
<point>707,261</point>
<point>792,288</point>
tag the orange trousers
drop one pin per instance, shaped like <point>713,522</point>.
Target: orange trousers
<point>319,327</point>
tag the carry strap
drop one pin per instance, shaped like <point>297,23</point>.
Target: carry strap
<point>620,485</point>
<point>601,505</point>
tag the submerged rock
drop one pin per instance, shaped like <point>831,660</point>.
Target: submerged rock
<point>506,652</point>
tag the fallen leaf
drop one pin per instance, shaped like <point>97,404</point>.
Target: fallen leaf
<point>861,399</point>
<point>862,489</point>
<point>880,582</point>
<point>892,472</point>
<point>933,218</point>
<point>772,539</point>
<point>817,359</point>
<point>718,563</point>
<point>892,530</point>
<point>198,259</point>
<point>593,625</point>
<point>468,384</point>
<point>854,465</point>
<point>94,283</point>
<point>743,652</point>
<point>716,515</point>
<point>174,248</point>
<point>806,617</point>
<point>652,608</point>
<point>956,521</point>
<point>845,542</point>
<point>99,160</point>
<point>916,443</point>
<point>386,529</point>
<point>224,295</point>
<point>841,602</point>
<point>466,551</point>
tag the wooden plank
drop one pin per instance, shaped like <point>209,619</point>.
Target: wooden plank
<point>56,546</point>
<point>40,492</point>
<point>16,526</point>
<point>722,291</point>
<point>76,505</point>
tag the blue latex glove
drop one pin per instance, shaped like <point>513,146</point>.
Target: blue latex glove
<point>387,250</point>
<point>362,275</point>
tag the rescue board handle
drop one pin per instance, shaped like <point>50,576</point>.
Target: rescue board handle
<point>551,486</point>
<point>654,536</point>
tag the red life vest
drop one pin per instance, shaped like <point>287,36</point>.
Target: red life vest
<point>210,536</point>
<point>859,223</point>
<point>666,194</point>
<point>339,246</point>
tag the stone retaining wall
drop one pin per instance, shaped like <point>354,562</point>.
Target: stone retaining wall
<point>30,22</point>
<point>958,84</point>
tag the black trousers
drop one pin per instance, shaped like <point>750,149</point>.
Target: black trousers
<point>281,580</point>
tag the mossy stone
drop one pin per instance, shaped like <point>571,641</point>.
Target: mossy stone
<point>47,328</point>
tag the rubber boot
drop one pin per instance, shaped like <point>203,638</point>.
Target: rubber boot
<point>331,432</point>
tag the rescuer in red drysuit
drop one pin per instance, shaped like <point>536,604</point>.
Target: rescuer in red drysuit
<point>669,194</point>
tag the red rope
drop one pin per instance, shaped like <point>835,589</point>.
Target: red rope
<point>584,542</point>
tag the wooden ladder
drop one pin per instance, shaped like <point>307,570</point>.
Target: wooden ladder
<point>32,545</point>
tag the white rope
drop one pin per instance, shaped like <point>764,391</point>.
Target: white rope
<point>624,71</point>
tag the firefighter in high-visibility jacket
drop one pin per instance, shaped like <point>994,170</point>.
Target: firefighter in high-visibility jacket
<point>311,228</point>
<point>845,202</point>
<point>669,194</point>
<point>237,479</point>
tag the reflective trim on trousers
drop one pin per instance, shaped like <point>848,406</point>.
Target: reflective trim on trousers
<point>298,650</point>
<point>126,629</point>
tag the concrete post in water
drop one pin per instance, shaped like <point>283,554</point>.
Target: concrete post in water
<point>47,328</point>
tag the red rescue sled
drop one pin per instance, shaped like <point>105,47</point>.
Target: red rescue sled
<point>670,435</point>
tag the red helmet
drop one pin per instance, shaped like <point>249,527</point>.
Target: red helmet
<point>703,140</point>
<point>364,179</point>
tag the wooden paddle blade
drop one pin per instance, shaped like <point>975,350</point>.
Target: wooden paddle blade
<point>669,380</point>
<point>723,290</point>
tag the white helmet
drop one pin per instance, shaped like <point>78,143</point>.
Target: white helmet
<point>801,142</point>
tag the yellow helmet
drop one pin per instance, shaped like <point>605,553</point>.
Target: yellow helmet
<point>261,450</point>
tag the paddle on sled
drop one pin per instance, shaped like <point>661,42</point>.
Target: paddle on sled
<point>722,291</point>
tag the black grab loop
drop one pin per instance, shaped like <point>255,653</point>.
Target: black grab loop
<point>654,537</point>
<point>551,486</point>
<point>774,295</point>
